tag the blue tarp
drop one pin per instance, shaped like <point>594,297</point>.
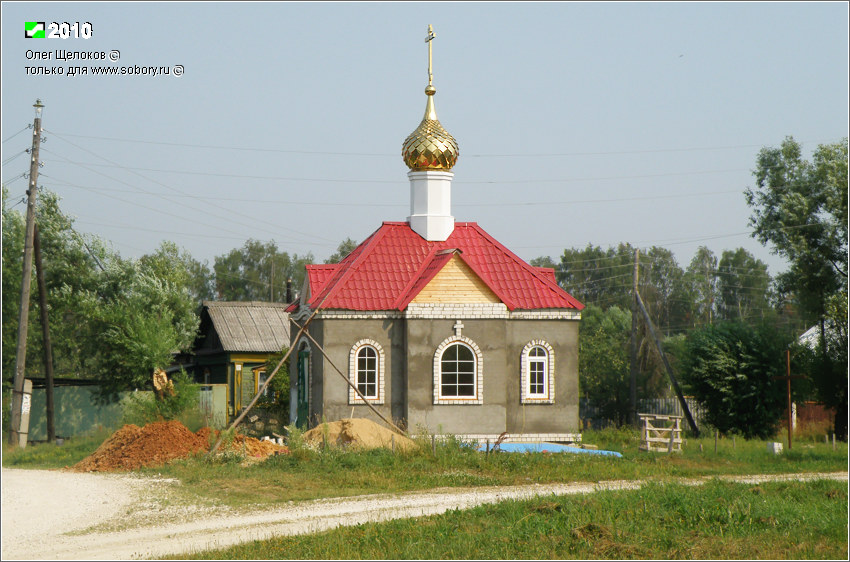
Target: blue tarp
<point>547,448</point>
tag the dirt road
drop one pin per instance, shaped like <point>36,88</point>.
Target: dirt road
<point>71,516</point>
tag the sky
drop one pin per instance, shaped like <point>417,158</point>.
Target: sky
<point>578,123</point>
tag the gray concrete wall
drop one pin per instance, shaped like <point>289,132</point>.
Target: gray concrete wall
<point>423,338</point>
<point>562,416</point>
<point>339,336</point>
<point>409,346</point>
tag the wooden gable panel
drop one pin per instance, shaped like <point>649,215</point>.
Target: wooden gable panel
<point>456,283</point>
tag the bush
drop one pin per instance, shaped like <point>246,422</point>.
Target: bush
<point>729,367</point>
<point>142,408</point>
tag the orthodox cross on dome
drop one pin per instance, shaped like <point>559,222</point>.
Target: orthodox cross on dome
<point>428,40</point>
<point>458,327</point>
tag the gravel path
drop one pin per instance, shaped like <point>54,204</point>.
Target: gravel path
<point>61,515</point>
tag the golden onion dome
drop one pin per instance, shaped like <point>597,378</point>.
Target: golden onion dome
<point>430,146</point>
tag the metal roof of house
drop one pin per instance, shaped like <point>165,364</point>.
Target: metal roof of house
<point>261,327</point>
<point>390,267</point>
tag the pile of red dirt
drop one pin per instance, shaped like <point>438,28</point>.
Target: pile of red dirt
<point>157,443</point>
<point>251,447</point>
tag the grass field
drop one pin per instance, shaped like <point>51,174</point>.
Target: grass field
<point>663,520</point>
<point>310,474</point>
<point>788,520</point>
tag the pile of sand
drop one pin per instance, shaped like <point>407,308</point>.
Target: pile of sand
<point>358,432</point>
<point>157,443</point>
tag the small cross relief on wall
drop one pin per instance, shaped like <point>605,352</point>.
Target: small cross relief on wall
<point>458,328</point>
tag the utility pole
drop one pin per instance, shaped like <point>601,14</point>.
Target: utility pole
<point>634,345</point>
<point>788,378</point>
<point>45,333</point>
<point>271,286</point>
<point>26,279</point>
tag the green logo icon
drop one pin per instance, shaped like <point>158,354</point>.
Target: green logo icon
<point>34,30</point>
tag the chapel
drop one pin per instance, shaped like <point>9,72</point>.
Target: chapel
<point>435,323</point>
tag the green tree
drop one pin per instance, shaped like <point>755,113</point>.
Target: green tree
<point>544,261</point>
<point>605,278</point>
<point>137,321</point>
<point>729,368</point>
<point>345,247</point>
<point>604,360</point>
<point>743,287</point>
<point>70,263</point>
<point>827,368</point>
<point>180,268</point>
<point>800,210</point>
<point>702,277</point>
<point>664,290</point>
<point>258,272</point>
<point>597,276</point>
<point>13,250</point>
<point>110,319</point>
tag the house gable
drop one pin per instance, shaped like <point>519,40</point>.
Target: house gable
<point>455,282</point>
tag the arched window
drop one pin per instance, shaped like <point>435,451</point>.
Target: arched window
<point>458,366</point>
<point>537,373</point>
<point>366,372</point>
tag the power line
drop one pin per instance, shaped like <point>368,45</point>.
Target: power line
<point>18,133</point>
<point>175,190</point>
<point>9,159</point>
<point>501,204</point>
<point>331,153</point>
<point>242,199</point>
<point>166,197</point>
<point>16,178</point>
<point>462,182</point>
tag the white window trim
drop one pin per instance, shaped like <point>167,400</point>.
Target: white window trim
<point>258,385</point>
<point>479,373</point>
<point>353,398</point>
<point>525,396</point>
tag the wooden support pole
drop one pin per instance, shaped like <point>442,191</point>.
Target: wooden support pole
<point>260,392</point>
<point>682,402</point>
<point>352,385</point>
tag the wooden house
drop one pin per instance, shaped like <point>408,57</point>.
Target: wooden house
<point>234,343</point>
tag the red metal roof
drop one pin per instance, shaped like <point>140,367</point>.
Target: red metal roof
<point>390,267</point>
<point>318,274</point>
<point>549,272</point>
